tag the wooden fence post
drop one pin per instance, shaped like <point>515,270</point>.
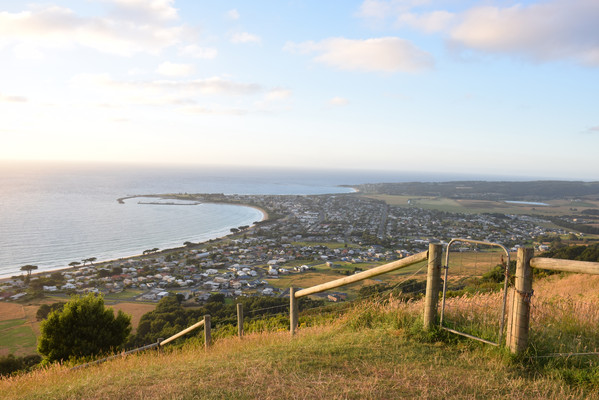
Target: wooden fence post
<point>509,316</point>
<point>433,284</point>
<point>207,332</point>
<point>293,310</point>
<point>240,319</point>
<point>519,318</point>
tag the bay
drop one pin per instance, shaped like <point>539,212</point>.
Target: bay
<point>52,214</point>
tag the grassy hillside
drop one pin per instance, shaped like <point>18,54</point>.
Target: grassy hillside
<point>372,352</point>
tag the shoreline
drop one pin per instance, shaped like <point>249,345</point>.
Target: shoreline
<point>101,263</point>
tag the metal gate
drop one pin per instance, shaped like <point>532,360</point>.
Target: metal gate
<point>503,299</point>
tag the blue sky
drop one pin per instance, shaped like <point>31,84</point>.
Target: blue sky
<point>494,87</point>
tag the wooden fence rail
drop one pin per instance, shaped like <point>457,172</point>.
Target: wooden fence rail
<point>555,264</point>
<point>383,269</point>
<point>207,342</point>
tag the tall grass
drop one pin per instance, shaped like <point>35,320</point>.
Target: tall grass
<point>370,349</point>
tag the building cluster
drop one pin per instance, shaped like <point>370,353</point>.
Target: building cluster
<point>303,231</point>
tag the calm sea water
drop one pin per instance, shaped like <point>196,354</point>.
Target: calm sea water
<point>52,214</point>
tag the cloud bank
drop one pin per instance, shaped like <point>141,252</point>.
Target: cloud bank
<point>387,54</point>
<point>539,31</point>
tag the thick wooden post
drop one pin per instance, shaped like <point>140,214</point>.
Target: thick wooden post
<point>240,319</point>
<point>517,338</point>
<point>207,332</point>
<point>433,284</point>
<point>293,310</point>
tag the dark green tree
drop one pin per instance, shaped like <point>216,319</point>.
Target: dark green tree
<point>46,309</point>
<point>83,328</point>
<point>28,268</point>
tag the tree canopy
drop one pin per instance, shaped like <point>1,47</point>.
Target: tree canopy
<point>83,328</point>
<point>28,268</point>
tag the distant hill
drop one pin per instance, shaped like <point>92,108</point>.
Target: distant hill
<point>483,190</point>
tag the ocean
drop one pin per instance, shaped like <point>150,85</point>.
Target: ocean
<point>52,214</point>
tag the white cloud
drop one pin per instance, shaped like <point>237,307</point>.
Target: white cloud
<point>593,130</point>
<point>144,10</point>
<point>388,54</point>
<point>233,14</point>
<point>196,51</point>
<point>338,101</point>
<point>278,94</point>
<point>382,9</point>
<point>552,30</point>
<point>59,27</point>
<point>175,70</point>
<point>150,91</point>
<point>429,22</point>
<point>27,51</point>
<point>12,99</point>
<point>199,110</point>
<point>245,37</point>
<point>539,30</point>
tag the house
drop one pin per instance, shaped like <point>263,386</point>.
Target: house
<point>17,296</point>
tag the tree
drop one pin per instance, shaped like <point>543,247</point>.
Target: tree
<point>74,263</point>
<point>28,268</point>
<point>46,309</point>
<point>83,328</point>
<point>89,260</point>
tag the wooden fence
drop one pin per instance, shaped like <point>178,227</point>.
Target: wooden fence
<point>433,255</point>
<point>518,318</point>
<point>207,342</point>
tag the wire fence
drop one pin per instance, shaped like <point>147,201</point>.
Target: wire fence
<point>562,325</point>
<point>474,294</point>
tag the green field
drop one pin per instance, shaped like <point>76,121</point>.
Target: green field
<point>17,337</point>
<point>556,207</point>
<point>124,295</point>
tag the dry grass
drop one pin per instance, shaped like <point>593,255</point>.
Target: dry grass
<point>11,311</point>
<point>136,310</point>
<point>579,286</point>
<point>565,314</point>
<point>329,362</point>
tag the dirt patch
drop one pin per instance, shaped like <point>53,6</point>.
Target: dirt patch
<point>11,311</point>
<point>136,310</point>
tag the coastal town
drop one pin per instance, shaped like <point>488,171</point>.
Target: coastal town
<point>300,234</point>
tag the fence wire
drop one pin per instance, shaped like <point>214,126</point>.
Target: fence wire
<point>563,326</point>
<point>474,294</point>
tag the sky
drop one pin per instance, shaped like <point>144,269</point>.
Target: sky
<point>495,87</point>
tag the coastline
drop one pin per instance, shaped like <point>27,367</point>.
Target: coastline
<point>101,263</point>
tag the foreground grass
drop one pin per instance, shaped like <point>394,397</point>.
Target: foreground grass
<point>366,354</point>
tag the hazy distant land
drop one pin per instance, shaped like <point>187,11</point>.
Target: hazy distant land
<point>485,190</point>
